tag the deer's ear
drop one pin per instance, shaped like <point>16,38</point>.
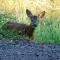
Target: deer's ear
<point>29,14</point>
<point>42,14</point>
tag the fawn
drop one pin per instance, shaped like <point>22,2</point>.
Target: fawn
<point>24,29</point>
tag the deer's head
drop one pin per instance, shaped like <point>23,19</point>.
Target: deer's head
<point>34,19</point>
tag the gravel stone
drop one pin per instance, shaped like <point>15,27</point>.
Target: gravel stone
<point>23,50</point>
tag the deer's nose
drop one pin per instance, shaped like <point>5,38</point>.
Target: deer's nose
<point>34,25</point>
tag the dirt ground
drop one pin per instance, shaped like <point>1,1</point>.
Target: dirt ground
<point>23,50</point>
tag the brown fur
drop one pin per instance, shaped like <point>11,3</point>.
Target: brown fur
<point>22,29</point>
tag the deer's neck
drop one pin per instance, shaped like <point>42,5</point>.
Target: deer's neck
<point>32,27</point>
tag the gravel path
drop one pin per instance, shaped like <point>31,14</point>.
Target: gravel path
<point>22,50</point>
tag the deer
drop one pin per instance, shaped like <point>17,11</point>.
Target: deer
<point>24,29</point>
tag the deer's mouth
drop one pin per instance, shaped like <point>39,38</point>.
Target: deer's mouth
<point>34,25</point>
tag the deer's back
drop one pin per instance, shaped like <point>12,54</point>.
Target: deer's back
<point>15,26</point>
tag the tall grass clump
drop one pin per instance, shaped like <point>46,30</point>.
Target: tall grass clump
<point>48,31</point>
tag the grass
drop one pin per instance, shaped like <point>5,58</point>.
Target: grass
<point>47,32</point>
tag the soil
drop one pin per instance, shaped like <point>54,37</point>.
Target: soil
<point>23,50</point>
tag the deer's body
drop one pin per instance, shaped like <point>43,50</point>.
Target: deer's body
<point>24,29</point>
